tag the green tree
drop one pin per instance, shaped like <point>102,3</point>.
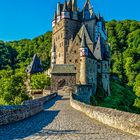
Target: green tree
<point>40,81</point>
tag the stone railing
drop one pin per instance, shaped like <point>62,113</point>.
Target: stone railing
<point>10,114</point>
<point>125,121</point>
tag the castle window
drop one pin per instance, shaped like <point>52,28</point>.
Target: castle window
<point>98,66</point>
<point>105,66</point>
<point>75,52</point>
<point>70,60</point>
<point>59,55</point>
<point>75,68</point>
<point>76,60</point>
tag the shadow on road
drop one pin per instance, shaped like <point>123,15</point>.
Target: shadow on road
<point>30,126</point>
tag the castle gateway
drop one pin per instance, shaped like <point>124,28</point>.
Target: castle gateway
<point>80,39</point>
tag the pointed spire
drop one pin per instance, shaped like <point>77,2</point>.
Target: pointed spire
<point>58,9</point>
<point>55,15</point>
<point>87,4</point>
<point>65,7</point>
<point>99,17</point>
<point>35,65</point>
<point>88,12</point>
<point>74,5</point>
<point>69,5</point>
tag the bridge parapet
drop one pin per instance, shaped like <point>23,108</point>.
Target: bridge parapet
<point>10,114</point>
<point>124,121</point>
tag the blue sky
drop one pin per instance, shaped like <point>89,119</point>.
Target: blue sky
<point>21,19</point>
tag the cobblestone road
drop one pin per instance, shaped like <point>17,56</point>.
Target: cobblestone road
<point>59,121</point>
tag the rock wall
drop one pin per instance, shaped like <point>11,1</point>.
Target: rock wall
<point>125,121</point>
<point>69,80</point>
<point>10,114</point>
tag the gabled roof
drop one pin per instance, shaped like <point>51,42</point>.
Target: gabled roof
<point>99,51</point>
<point>83,31</point>
<point>35,66</point>
<point>63,69</point>
<point>83,42</point>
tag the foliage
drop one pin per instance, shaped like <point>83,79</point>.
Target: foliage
<point>12,89</point>
<point>18,54</point>
<point>124,39</point>
<point>14,58</point>
<point>137,91</point>
<point>40,81</point>
<point>122,98</point>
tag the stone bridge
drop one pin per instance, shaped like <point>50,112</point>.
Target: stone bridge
<point>59,121</point>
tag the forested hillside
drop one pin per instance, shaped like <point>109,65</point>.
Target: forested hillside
<point>14,58</point>
<point>124,39</point>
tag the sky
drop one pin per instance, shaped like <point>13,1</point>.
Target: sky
<point>20,19</point>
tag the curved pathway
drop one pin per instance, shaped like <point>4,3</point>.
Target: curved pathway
<point>59,121</point>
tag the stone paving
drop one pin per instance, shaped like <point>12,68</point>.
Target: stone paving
<point>59,121</point>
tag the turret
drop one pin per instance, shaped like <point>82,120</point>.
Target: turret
<point>53,55</point>
<point>65,13</point>
<point>69,5</point>
<point>74,9</point>
<point>74,5</point>
<point>58,12</point>
<point>83,59</point>
<point>54,19</point>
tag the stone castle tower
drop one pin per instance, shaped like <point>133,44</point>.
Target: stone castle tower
<point>80,39</point>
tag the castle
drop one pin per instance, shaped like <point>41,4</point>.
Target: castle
<point>80,49</point>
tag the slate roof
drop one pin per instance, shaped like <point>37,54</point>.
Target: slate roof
<point>63,69</point>
<point>85,39</point>
<point>99,51</point>
<point>83,31</point>
<point>35,66</point>
<point>83,42</point>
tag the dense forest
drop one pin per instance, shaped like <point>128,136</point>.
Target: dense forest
<point>124,39</point>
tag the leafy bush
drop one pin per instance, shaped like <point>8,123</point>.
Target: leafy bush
<point>40,81</point>
<point>12,90</point>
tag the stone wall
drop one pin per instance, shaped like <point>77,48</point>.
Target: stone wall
<point>10,114</point>
<point>69,80</point>
<point>125,121</point>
